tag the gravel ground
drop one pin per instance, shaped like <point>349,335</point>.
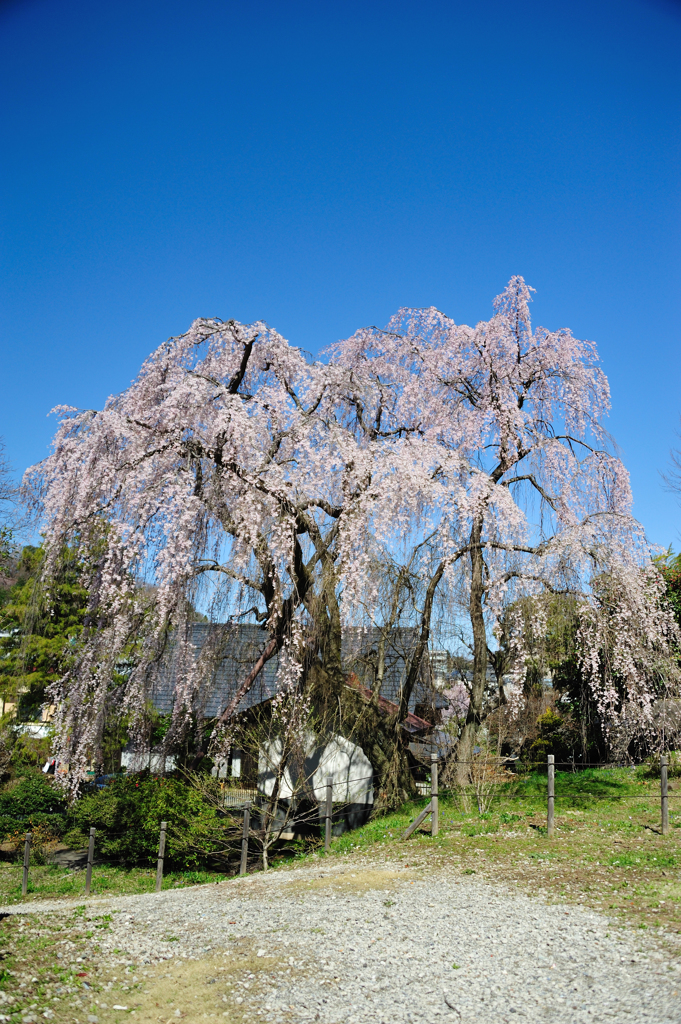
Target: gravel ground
<point>364,942</point>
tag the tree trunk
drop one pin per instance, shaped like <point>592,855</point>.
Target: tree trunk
<point>464,753</point>
<point>422,645</point>
<point>386,745</point>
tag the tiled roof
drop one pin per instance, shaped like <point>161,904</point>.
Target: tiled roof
<point>412,723</point>
<point>236,649</point>
<point>229,652</point>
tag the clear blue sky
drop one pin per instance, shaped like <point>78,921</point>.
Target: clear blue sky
<point>320,164</point>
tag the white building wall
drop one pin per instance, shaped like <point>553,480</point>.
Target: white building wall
<point>341,759</point>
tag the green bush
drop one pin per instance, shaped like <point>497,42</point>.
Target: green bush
<point>128,812</point>
<point>30,801</point>
<point>555,736</point>
<point>650,769</point>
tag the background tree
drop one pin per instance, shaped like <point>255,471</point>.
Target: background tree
<point>8,516</point>
<point>669,566</point>
<point>551,708</point>
<point>41,630</point>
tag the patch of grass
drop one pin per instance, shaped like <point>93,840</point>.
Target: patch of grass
<point>645,858</point>
<point>49,881</point>
<point>380,830</point>
<point>36,975</point>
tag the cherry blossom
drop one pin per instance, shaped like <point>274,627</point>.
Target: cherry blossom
<point>499,457</point>
<point>463,466</point>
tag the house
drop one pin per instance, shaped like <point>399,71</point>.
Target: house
<point>225,657</point>
<point>228,660</point>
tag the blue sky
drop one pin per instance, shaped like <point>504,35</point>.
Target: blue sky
<point>318,165</point>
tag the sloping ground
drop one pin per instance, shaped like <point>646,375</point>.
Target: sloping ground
<point>356,941</point>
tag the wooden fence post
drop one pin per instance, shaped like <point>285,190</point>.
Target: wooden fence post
<point>415,824</point>
<point>329,813</point>
<point>244,838</point>
<point>27,856</point>
<point>551,795</point>
<point>161,855</point>
<point>90,858</point>
<point>434,811</point>
<point>664,793</point>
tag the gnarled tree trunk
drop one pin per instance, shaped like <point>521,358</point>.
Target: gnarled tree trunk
<point>464,752</point>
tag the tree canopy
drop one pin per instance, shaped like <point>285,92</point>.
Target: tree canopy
<point>426,472</point>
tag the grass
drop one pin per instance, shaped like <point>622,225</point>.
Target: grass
<point>52,882</point>
<point>607,853</point>
<point>607,850</point>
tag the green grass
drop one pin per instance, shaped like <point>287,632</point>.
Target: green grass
<point>645,859</point>
<point>607,850</point>
<point>52,882</point>
<point>607,853</point>
<point>607,798</point>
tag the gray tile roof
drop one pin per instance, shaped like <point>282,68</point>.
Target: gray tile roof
<point>228,652</point>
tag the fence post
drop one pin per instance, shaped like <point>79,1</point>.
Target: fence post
<point>161,855</point>
<point>244,838</point>
<point>27,855</point>
<point>415,824</point>
<point>329,812</point>
<point>90,858</point>
<point>551,795</point>
<point>434,812</point>
<point>664,761</point>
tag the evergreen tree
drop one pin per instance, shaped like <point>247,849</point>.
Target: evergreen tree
<point>38,630</point>
<point>670,567</point>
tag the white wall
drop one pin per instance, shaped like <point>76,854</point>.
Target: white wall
<point>137,762</point>
<point>346,762</point>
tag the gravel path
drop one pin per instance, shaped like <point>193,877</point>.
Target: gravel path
<point>360,943</point>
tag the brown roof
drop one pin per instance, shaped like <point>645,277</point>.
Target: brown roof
<point>412,723</point>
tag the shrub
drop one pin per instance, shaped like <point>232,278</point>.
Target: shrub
<point>650,769</point>
<point>555,736</point>
<point>127,813</point>
<point>41,838</point>
<point>29,802</point>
